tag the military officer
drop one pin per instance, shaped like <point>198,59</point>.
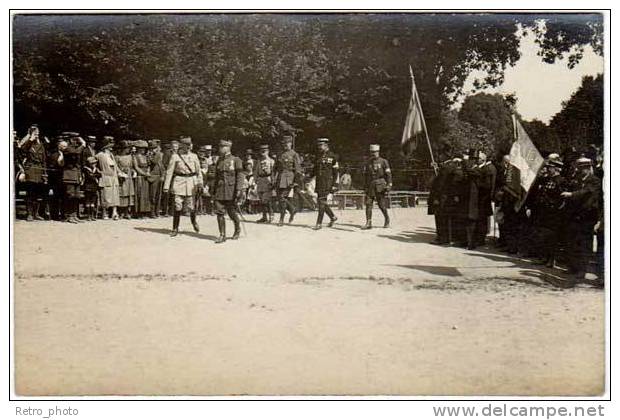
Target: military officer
<point>183,180</point>
<point>326,171</point>
<point>288,178</point>
<point>72,175</point>
<point>378,182</point>
<point>263,176</point>
<point>582,211</point>
<point>157,172</point>
<point>35,173</point>
<point>229,177</point>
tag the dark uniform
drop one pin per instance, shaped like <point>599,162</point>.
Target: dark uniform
<point>263,176</point>
<point>378,182</point>
<point>547,215</point>
<point>157,172</point>
<point>289,174</point>
<point>229,177</point>
<point>33,158</point>
<point>582,213</point>
<point>54,170</point>
<point>437,202</point>
<point>469,201</point>
<point>486,190</point>
<point>72,177</point>
<point>91,187</point>
<point>326,172</point>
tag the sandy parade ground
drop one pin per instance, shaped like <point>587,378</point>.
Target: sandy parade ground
<point>121,308</point>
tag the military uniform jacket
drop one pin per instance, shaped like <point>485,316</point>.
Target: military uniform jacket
<point>263,174</point>
<point>183,174</point>
<point>288,168</point>
<point>156,166</point>
<point>486,186</point>
<point>229,178</point>
<point>34,162</point>
<point>583,206</point>
<point>326,171</point>
<point>377,175</point>
<point>72,168</point>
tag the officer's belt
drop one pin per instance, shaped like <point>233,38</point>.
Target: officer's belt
<point>186,175</point>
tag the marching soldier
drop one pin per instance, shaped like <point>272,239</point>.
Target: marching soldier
<point>288,168</point>
<point>182,180</point>
<point>582,211</point>
<point>378,177</point>
<point>229,177</point>
<point>263,176</point>
<point>35,173</point>
<point>326,171</point>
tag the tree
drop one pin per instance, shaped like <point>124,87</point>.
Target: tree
<point>581,120</point>
<point>459,136</point>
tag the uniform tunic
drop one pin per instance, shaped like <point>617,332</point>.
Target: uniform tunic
<point>72,171</point>
<point>378,176</point>
<point>288,168</point>
<point>263,176</point>
<point>34,157</point>
<point>326,172</point>
<point>182,175</point>
<point>229,178</point>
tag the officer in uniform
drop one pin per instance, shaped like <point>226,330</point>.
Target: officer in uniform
<point>183,180</point>
<point>326,172</point>
<point>229,177</point>
<point>582,211</point>
<point>378,182</point>
<point>72,175</point>
<point>35,173</point>
<point>263,176</point>
<point>157,171</point>
<point>288,178</point>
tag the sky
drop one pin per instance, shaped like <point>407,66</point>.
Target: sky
<point>540,87</point>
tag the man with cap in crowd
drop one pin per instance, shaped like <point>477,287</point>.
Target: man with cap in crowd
<point>228,192</point>
<point>55,162</point>
<point>90,149</point>
<point>204,156</point>
<point>72,175</point>
<point>378,183</point>
<point>249,159</point>
<point>209,162</point>
<point>487,175</point>
<point>546,214</point>
<point>157,171</point>
<point>326,172</point>
<point>263,176</point>
<point>183,180</point>
<point>34,167</point>
<point>288,177</point>
<point>437,202</point>
<point>582,212</point>
<point>142,167</point>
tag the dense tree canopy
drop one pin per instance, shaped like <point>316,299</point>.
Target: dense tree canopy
<point>252,77</point>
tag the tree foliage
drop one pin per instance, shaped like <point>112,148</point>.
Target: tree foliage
<point>252,77</point>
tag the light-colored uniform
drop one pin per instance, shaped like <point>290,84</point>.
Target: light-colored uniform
<point>183,178</point>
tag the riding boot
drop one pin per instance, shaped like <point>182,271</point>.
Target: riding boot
<point>192,216</point>
<point>235,218</point>
<point>176,218</point>
<point>263,219</point>
<point>221,224</point>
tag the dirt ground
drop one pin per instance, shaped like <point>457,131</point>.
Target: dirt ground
<point>121,308</point>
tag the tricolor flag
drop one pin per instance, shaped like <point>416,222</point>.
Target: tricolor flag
<point>414,127</point>
<point>525,157</point>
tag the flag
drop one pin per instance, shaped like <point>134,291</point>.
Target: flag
<point>413,123</point>
<point>525,158</point>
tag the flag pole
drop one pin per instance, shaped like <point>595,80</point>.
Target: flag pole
<point>414,92</point>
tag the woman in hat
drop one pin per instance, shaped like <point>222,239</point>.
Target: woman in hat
<point>141,165</point>
<point>110,195</point>
<point>126,176</point>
